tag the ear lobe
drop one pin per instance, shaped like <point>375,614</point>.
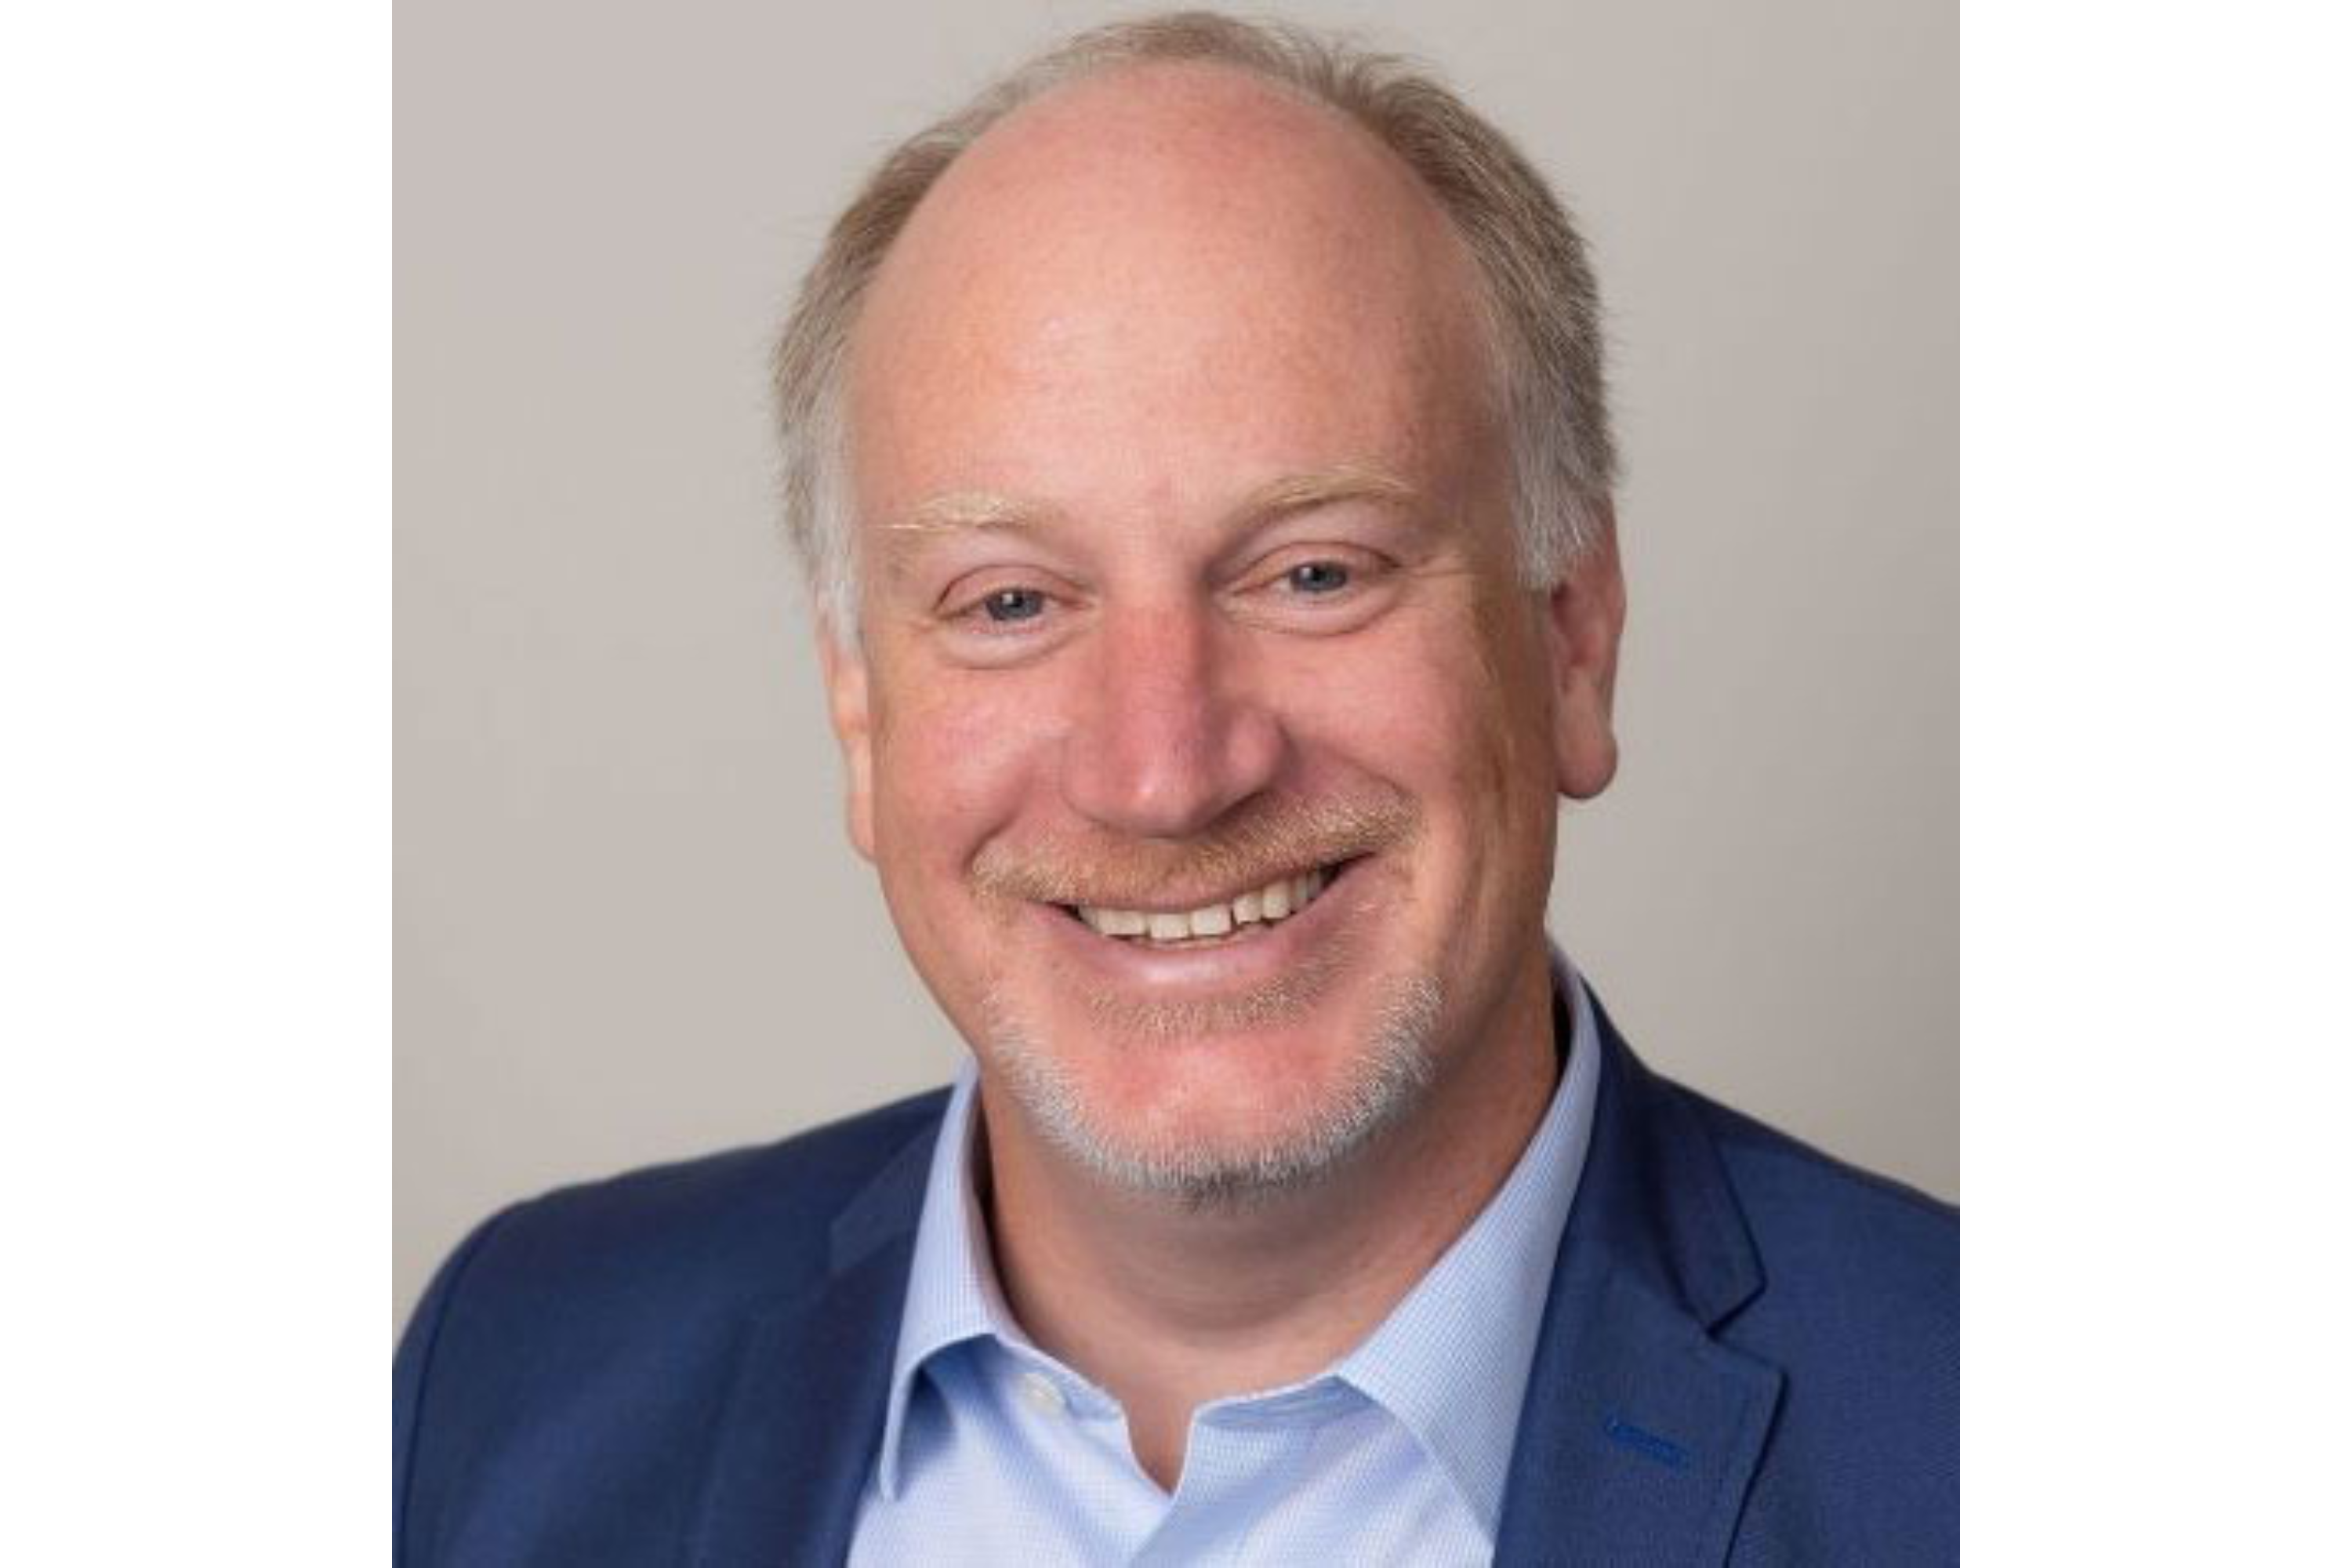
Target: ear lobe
<point>1584,616</point>
<point>849,702</point>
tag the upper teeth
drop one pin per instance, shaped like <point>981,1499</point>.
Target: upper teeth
<point>1277,900</point>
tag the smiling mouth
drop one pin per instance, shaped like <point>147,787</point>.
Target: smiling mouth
<point>1239,918</point>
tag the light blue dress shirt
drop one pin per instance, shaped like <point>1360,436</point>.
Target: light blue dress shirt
<point>994,1452</point>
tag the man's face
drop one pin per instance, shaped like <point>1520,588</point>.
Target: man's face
<point>1203,738</point>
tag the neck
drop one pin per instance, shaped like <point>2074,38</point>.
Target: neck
<point>1169,1306</point>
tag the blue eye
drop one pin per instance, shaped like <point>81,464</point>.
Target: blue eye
<point>1013,605</point>
<point>1316,577</point>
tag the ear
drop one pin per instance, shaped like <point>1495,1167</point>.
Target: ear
<point>1584,618</point>
<point>847,697</point>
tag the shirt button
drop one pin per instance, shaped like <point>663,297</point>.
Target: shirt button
<point>1039,1392</point>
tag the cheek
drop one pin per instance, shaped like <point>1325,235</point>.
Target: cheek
<point>953,757</point>
<point>1448,711</point>
<point>1430,708</point>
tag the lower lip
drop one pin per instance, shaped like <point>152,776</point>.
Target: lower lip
<point>1238,962</point>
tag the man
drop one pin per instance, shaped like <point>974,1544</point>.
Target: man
<point>1200,453</point>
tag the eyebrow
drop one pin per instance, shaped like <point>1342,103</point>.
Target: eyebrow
<point>965,512</point>
<point>1323,487</point>
<point>961,511</point>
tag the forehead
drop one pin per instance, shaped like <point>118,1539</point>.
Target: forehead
<point>1166,283</point>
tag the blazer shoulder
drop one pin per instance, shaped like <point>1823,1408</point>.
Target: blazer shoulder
<point>1760,1148</point>
<point>736,1224</point>
<point>1783,1180</point>
<point>591,1333</point>
<point>1853,1263</point>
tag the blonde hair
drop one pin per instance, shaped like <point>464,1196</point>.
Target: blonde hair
<point>1543,306</point>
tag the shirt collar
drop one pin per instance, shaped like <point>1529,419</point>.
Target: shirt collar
<point>1435,1363</point>
<point>951,1290</point>
<point>1451,1360</point>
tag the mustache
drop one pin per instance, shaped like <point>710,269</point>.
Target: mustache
<point>1267,837</point>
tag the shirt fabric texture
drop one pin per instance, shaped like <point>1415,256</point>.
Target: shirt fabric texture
<point>993,1451</point>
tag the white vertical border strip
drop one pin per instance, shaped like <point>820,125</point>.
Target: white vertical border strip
<point>195,668</point>
<point>2155,865</point>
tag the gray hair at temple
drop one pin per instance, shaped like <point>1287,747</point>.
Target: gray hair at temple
<point>1542,307</point>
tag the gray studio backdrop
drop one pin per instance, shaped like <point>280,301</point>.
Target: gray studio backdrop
<point>628,926</point>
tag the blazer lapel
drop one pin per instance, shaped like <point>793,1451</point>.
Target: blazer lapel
<point>803,1419</point>
<point>1640,1432</point>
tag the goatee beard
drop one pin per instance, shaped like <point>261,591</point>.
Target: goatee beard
<point>1386,1079</point>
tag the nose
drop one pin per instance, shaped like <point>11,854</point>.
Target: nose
<point>1167,736</point>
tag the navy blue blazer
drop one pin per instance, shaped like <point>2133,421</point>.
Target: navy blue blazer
<point>1751,1355</point>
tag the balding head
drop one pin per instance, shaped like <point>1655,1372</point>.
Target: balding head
<point>1182,251</point>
